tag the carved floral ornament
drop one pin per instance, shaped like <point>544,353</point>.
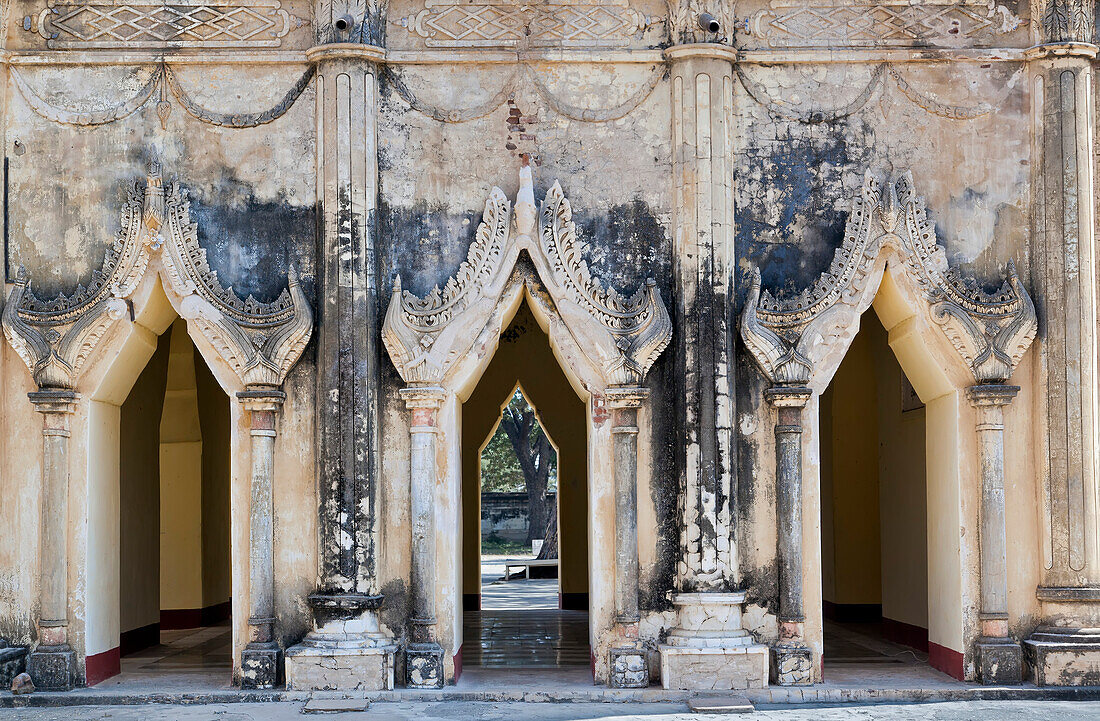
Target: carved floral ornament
<point>56,337</point>
<point>620,335</point>
<point>990,331</point>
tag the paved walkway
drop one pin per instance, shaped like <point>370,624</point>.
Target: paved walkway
<point>479,711</point>
<point>519,594</point>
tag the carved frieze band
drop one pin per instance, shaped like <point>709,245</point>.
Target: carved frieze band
<point>55,337</point>
<point>623,334</point>
<point>505,23</point>
<point>155,24</point>
<point>990,331</point>
<point>886,23</point>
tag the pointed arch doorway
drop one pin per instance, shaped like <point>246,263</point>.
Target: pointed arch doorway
<point>605,342</point>
<point>536,615</point>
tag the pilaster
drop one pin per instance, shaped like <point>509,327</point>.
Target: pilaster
<point>1000,657</point>
<point>423,654</point>
<point>708,633</point>
<point>1065,649</point>
<point>52,663</point>
<point>261,659</point>
<point>347,648</point>
<point>791,659</point>
<point>629,662</point>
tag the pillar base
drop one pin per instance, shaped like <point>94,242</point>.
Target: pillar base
<point>52,668</point>
<point>346,650</point>
<point>708,648</point>
<point>629,668</point>
<point>424,665</point>
<point>260,664</point>
<point>792,664</point>
<point>1064,656</point>
<point>1000,661</point>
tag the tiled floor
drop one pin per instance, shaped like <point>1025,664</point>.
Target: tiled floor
<point>525,639</point>
<point>847,643</point>
<point>520,626</point>
<point>200,657</point>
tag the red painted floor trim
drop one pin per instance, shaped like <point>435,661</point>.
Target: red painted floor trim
<point>945,659</point>
<point>101,666</point>
<point>906,634</point>
<point>458,663</point>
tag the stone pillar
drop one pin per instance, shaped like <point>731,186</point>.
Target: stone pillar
<point>791,658</point>
<point>423,654</point>
<point>52,664</point>
<point>628,659</point>
<point>999,657</point>
<point>347,648</point>
<point>1065,649</point>
<point>261,658</point>
<point>703,262</point>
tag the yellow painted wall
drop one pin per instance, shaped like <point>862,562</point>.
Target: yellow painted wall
<point>217,581</point>
<point>524,356</point>
<point>180,480</point>
<point>139,494</point>
<point>853,477</point>
<point>903,490</point>
<point>874,547</point>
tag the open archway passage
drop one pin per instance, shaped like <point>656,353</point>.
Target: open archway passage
<point>175,570</point>
<point>525,546</point>
<point>874,546</point>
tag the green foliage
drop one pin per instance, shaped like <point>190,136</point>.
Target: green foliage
<point>500,469</point>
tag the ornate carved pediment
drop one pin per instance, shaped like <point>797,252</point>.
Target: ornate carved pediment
<point>621,335</point>
<point>990,331</point>
<point>55,337</point>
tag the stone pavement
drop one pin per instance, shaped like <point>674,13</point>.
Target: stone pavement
<point>482,711</point>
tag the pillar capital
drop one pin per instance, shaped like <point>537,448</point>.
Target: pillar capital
<point>418,397</point>
<point>693,51</point>
<point>993,394</point>
<point>345,51</point>
<point>788,396</point>
<point>1086,51</point>
<point>262,398</point>
<point>626,396</point>
<point>54,400</point>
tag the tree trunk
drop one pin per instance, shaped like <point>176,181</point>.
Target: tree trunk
<point>550,539</point>
<point>534,461</point>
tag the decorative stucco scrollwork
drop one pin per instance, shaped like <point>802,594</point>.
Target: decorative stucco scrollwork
<point>55,337</point>
<point>621,335</point>
<point>990,331</point>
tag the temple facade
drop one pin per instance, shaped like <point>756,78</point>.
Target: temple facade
<point>805,292</point>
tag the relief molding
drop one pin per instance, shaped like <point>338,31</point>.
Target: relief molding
<point>134,24</point>
<point>56,337</point>
<point>990,331</point>
<point>875,24</point>
<point>507,24</point>
<point>622,335</point>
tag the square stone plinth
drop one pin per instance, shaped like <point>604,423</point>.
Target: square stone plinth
<point>317,669</point>
<point>260,666</point>
<point>792,666</point>
<point>52,668</point>
<point>717,668</point>
<point>1001,661</point>
<point>424,666</point>
<point>629,668</point>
